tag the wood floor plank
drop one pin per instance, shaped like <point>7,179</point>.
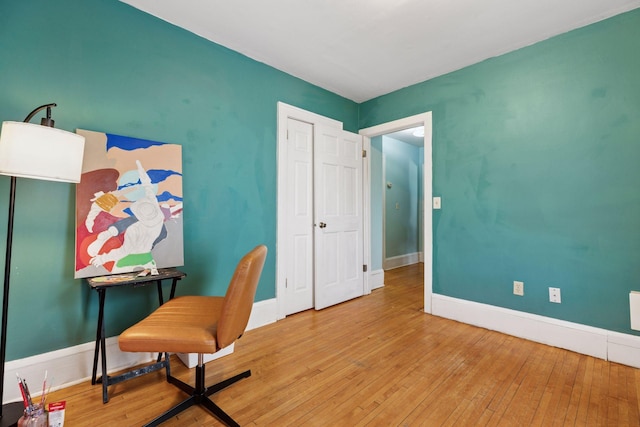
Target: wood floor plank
<point>598,397</point>
<point>379,360</point>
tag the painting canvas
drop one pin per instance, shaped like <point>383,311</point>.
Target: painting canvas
<point>128,206</point>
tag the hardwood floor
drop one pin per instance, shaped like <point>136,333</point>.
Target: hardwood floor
<point>379,360</point>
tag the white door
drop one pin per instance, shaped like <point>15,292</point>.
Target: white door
<point>299,217</point>
<point>338,216</point>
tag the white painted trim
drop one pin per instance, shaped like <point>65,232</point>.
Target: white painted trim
<point>424,119</point>
<point>190,360</point>
<point>402,260</point>
<point>366,215</point>
<point>384,205</point>
<point>263,313</point>
<point>427,241</point>
<point>596,342</point>
<point>623,348</point>
<point>66,367</point>
<point>73,365</point>
<point>285,112</point>
<point>376,279</point>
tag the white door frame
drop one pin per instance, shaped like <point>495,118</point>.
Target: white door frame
<point>423,119</point>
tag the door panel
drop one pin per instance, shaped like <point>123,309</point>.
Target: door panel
<point>299,282</point>
<point>338,216</point>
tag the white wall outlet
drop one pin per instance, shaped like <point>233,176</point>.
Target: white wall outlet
<point>436,203</point>
<point>518,288</point>
<point>554,295</point>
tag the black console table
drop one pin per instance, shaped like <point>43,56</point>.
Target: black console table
<point>100,285</point>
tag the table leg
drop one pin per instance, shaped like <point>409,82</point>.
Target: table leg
<point>160,298</point>
<point>101,295</point>
<point>160,301</point>
<point>103,351</point>
<point>101,347</point>
<point>173,288</point>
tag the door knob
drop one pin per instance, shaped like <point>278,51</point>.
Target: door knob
<point>323,225</point>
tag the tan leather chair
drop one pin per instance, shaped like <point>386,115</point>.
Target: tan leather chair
<point>200,324</point>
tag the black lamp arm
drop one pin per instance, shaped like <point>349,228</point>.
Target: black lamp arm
<point>45,122</point>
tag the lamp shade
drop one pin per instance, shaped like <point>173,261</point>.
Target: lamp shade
<point>40,152</point>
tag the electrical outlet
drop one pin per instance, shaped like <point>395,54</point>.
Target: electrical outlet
<point>518,288</point>
<point>554,295</point>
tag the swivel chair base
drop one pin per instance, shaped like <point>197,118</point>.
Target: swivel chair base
<point>199,395</point>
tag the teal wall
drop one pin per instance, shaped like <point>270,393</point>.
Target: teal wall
<point>113,68</point>
<point>402,170</point>
<point>536,155</point>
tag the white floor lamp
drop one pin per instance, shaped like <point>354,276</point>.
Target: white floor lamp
<point>37,152</point>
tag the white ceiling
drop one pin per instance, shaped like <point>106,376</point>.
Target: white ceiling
<point>409,136</point>
<point>362,49</point>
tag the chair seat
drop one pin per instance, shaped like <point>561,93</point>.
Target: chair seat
<point>186,324</point>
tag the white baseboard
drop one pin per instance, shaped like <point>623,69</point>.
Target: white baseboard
<point>401,260</point>
<point>190,360</point>
<point>73,365</point>
<point>596,342</point>
<point>66,367</point>
<point>262,313</point>
<point>376,279</point>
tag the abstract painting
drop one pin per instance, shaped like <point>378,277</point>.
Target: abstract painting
<point>128,206</point>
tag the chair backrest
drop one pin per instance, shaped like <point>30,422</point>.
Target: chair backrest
<point>238,300</point>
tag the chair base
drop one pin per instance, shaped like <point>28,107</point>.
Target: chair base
<point>199,395</point>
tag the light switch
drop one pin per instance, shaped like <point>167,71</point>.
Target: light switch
<point>436,203</point>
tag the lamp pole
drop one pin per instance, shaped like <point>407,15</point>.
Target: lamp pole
<point>11,412</point>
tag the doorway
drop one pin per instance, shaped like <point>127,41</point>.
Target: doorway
<point>424,120</point>
<point>399,184</point>
<point>286,111</point>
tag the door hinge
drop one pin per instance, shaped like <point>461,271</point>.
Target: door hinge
<point>286,283</point>
<point>364,268</point>
<point>364,153</point>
